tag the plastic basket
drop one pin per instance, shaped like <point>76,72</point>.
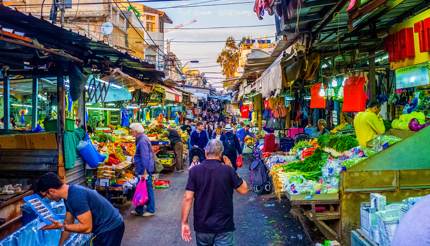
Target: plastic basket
<point>166,161</point>
<point>51,125</point>
<point>168,155</point>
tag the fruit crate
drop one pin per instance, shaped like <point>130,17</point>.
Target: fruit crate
<point>168,162</point>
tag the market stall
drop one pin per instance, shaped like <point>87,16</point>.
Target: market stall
<point>312,177</point>
<point>43,103</point>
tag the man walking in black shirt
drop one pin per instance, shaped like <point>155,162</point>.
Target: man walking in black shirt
<point>211,185</point>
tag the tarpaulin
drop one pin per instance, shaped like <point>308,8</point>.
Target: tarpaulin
<point>172,95</point>
<point>271,78</point>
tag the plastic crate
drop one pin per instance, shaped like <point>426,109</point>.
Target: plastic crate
<point>51,125</point>
<point>358,239</point>
<point>168,155</point>
<point>166,161</point>
<point>367,218</point>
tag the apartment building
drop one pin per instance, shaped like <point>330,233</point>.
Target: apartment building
<point>123,24</point>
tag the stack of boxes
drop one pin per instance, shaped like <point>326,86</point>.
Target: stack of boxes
<point>379,220</point>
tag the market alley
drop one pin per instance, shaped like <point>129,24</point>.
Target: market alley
<point>260,220</point>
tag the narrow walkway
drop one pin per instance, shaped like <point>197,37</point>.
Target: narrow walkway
<point>260,220</point>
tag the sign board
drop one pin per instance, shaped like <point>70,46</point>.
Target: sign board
<point>412,76</point>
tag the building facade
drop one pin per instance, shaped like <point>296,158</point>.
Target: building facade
<point>115,22</point>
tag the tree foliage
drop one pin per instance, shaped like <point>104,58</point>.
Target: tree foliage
<point>229,58</point>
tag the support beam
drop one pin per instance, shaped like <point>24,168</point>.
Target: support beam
<point>372,75</point>
<point>327,18</point>
<point>34,102</point>
<point>61,120</point>
<point>6,101</point>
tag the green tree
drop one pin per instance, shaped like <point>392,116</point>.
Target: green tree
<point>229,58</point>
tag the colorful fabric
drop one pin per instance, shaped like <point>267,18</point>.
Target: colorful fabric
<point>269,143</point>
<point>244,111</point>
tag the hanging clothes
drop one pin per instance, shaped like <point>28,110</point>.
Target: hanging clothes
<point>354,96</point>
<point>317,101</point>
<point>125,121</point>
<point>244,111</point>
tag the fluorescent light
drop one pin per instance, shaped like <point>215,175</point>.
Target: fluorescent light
<point>322,91</point>
<point>104,109</point>
<point>111,84</point>
<point>21,105</point>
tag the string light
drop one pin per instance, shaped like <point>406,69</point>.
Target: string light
<point>322,91</point>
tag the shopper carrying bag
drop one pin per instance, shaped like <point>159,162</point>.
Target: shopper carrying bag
<point>140,197</point>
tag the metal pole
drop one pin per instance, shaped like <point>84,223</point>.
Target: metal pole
<point>34,102</point>
<point>61,97</point>
<point>6,102</point>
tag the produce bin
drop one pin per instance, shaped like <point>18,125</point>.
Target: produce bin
<point>399,172</point>
<point>51,125</point>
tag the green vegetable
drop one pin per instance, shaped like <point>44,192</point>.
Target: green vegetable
<point>312,164</point>
<point>324,140</point>
<point>343,143</point>
<point>338,142</point>
<point>103,137</point>
<point>301,145</point>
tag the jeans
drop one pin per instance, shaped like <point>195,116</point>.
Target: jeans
<point>150,206</point>
<point>109,238</point>
<point>213,239</point>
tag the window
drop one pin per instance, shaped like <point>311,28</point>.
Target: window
<point>150,18</point>
<point>150,23</point>
<point>150,27</point>
<point>151,59</point>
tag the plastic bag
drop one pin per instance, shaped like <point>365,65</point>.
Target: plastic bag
<point>140,196</point>
<point>239,161</point>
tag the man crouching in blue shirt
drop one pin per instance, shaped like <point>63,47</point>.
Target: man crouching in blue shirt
<point>211,185</point>
<point>94,214</point>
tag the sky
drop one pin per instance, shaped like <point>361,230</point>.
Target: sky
<point>210,16</point>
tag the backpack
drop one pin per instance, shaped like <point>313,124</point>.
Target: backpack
<point>229,144</point>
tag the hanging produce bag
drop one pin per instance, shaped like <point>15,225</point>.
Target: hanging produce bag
<point>317,101</point>
<point>140,196</point>
<point>354,96</point>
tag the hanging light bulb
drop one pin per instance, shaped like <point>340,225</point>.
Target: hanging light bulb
<point>322,91</point>
<point>343,82</point>
<point>334,83</point>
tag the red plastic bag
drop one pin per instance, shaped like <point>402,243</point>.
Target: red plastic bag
<point>140,196</point>
<point>239,161</point>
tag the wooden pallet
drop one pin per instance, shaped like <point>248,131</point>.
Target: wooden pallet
<point>308,210</point>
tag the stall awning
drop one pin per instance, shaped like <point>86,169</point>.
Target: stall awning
<point>271,78</point>
<point>128,81</point>
<point>172,94</point>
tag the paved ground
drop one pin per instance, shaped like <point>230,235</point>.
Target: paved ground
<point>260,220</point>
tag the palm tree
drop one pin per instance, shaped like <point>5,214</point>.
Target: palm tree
<point>229,58</point>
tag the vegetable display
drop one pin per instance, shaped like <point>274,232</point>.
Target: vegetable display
<point>414,125</point>
<point>339,143</point>
<point>312,164</point>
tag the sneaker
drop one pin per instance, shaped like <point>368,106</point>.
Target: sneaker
<point>133,212</point>
<point>148,214</point>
